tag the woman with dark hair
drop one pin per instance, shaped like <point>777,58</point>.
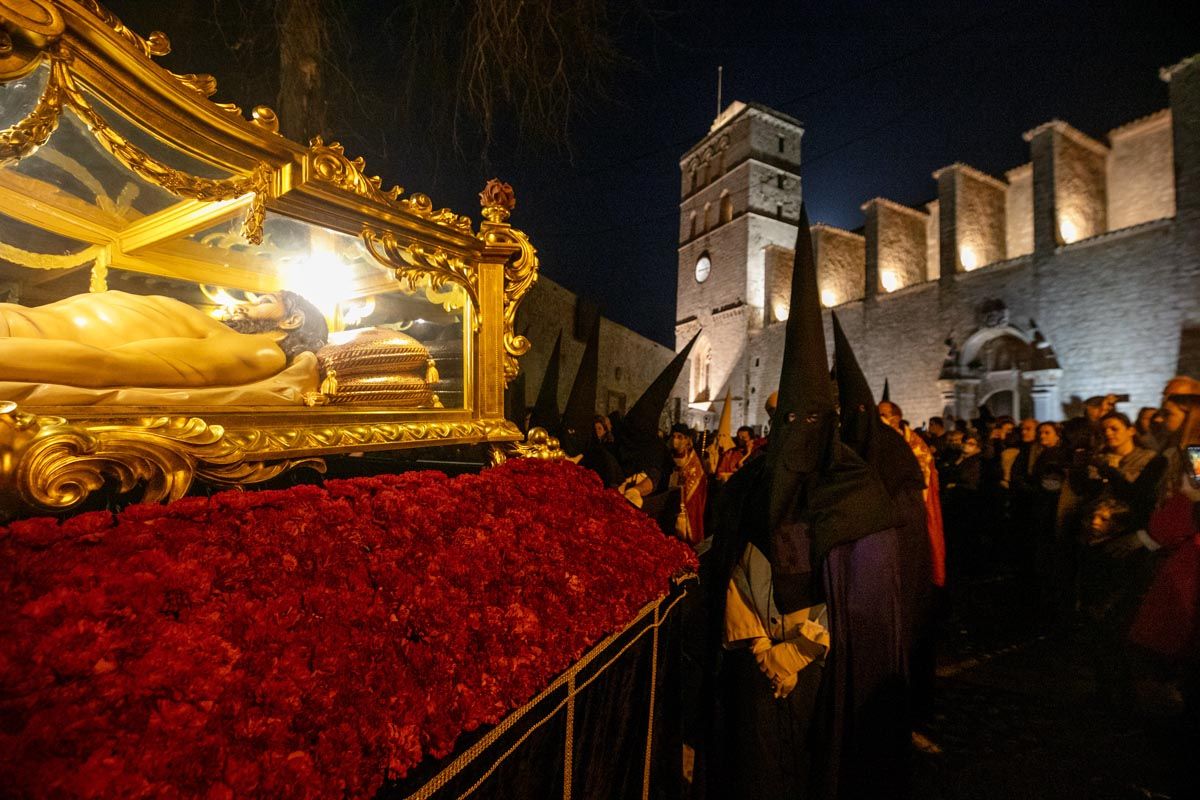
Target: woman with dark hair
<point>1115,567</point>
<point>1131,474</point>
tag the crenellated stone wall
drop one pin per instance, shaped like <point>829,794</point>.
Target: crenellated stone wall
<point>896,252</point>
<point>1088,251</point>
<point>1140,183</point>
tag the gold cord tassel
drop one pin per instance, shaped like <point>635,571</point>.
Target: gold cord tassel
<point>431,373</point>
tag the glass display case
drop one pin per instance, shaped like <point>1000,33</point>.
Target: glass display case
<point>186,294</point>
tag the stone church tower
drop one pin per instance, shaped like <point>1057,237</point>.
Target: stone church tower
<point>739,200</point>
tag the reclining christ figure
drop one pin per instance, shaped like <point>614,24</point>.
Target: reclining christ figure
<point>115,339</point>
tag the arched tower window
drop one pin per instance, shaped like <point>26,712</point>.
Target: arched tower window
<point>692,226</point>
<point>707,216</point>
<point>726,207</point>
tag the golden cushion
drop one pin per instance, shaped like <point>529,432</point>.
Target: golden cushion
<point>372,351</point>
<point>402,391</point>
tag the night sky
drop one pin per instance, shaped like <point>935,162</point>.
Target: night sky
<point>888,92</point>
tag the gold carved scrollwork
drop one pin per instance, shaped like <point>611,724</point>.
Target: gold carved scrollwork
<point>329,164</point>
<point>415,267</point>
<point>26,28</point>
<point>538,444</point>
<point>178,183</point>
<point>30,133</point>
<point>157,44</point>
<point>50,462</point>
<point>55,464</point>
<point>421,206</point>
<point>520,270</point>
<point>262,443</point>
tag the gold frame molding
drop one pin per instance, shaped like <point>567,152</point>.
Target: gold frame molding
<point>54,457</point>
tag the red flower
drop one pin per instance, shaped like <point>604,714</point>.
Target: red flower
<point>309,641</point>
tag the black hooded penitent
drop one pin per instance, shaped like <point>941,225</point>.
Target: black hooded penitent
<point>576,430</point>
<point>863,431</point>
<point>640,447</point>
<point>545,408</point>
<point>514,401</point>
<point>820,492</point>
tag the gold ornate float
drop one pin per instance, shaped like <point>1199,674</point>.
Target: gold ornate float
<point>186,294</point>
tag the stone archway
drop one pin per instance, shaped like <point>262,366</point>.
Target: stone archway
<point>1012,371</point>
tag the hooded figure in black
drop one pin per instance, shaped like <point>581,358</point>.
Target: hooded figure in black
<point>894,568</point>
<point>782,519</point>
<point>514,401</point>
<point>642,452</point>
<point>545,413</point>
<point>577,434</point>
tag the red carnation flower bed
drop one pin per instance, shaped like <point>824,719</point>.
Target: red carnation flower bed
<point>306,642</point>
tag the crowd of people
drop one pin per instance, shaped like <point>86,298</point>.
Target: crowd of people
<point>833,545</point>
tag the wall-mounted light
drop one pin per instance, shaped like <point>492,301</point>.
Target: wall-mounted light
<point>828,298</point>
<point>968,257</point>
<point>889,280</point>
<point>781,311</point>
<point>1068,231</point>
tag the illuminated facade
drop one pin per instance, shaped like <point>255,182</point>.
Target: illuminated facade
<point>1076,274</point>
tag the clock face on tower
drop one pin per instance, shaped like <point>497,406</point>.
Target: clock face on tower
<point>703,267</point>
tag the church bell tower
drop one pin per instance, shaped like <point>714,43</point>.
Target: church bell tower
<point>739,196</point>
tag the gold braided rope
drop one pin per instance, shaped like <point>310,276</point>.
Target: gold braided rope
<point>569,747</point>
<point>147,167</point>
<point>436,783</point>
<point>650,716</point>
<point>33,260</point>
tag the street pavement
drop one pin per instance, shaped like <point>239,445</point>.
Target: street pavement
<point>1016,716</point>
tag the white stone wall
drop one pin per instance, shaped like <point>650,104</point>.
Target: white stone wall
<point>1019,211</point>
<point>900,244</point>
<point>841,264</point>
<point>1141,179</point>
<point>1079,186</point>
<point>981,208</point>
<point>1113,308</point>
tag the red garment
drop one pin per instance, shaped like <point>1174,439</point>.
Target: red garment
<point>1168,622</point>
<point>693,488</point>
<point>729,463</point>
<point>937,533</point>
<point>933,505</point>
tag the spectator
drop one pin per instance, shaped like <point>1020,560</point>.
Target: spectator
<point>935,434</point>
<point>1145,426</point>
<point>1131,473</point>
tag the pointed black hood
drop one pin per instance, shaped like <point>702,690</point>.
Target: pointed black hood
<point>637,437</point>
<point>514,401</point>
<point>820,492</point>
<point>804,422</point>
<point>642,417</point>
<point>577,418</point>
<point>545,408</point>
<point>886,397</point>
<point>863,431</point>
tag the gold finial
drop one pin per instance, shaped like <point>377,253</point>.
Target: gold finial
<point>498,201</point>
<point>265,117</point>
